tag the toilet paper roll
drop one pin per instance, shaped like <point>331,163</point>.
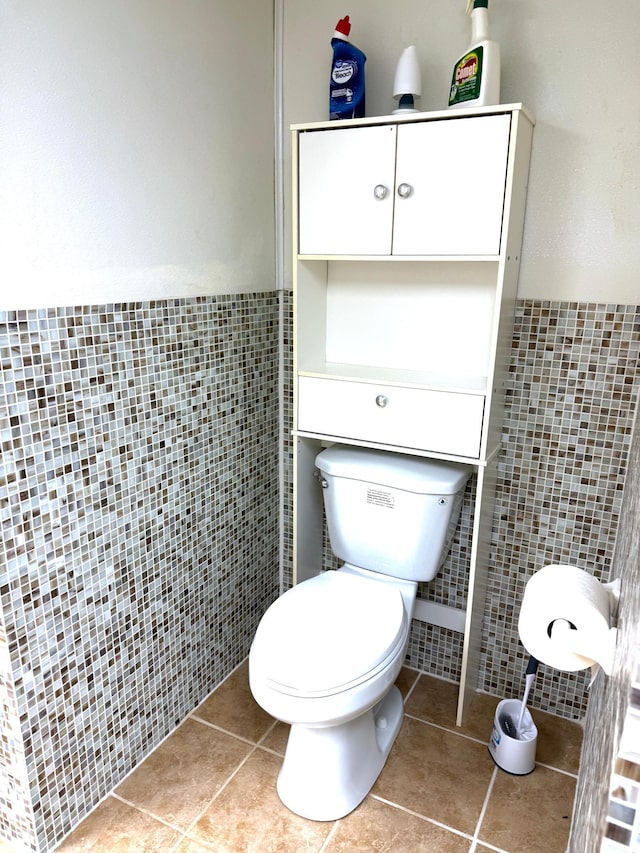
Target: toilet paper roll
<point>565,619</point>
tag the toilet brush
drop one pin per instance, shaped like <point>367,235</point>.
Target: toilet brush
<point>532,668</point>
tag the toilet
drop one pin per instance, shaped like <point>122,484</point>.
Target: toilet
<point>326,654</point>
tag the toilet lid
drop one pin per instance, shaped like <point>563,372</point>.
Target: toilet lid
<point>328,633</point>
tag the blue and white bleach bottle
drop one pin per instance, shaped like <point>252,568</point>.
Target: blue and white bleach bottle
<point>346,90</point>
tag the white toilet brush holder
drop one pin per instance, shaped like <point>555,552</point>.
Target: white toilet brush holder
<point>513,743</point>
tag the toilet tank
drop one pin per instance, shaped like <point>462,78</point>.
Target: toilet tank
<point>389,512</point>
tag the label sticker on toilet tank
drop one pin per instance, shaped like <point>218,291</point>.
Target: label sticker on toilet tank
<point>378,498</point>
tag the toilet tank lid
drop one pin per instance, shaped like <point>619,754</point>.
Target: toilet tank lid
<point>394,470</point>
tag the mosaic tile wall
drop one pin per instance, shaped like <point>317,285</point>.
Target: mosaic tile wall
<point>287,439</point>
<point>574,380</point>
<point>575,376</point>
<point>431,648</point>
<point>139,545</point>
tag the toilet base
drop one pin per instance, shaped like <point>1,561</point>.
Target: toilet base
<point>328,771</point>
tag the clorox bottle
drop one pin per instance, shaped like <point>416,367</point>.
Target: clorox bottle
<point>346,89</point>
<point>476,75</point>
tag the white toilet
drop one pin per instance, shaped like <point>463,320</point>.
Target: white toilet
<point>327,652</point>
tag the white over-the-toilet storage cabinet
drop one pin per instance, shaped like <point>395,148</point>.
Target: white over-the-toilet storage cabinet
<point>407,237</point>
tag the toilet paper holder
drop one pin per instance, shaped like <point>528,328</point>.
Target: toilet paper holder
<point>564,633</point>
<point>581,613</point>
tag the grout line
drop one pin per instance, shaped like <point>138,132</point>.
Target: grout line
<point>265,749</point>
<point>426,819</point>
<point>218,792</point>
<point>146,812</point>
<point>179,845</point>
<point>176,847</point>
<point>488,845</point>
<point>228,732</point>
<point>445,729</point>
<point>267,733</point>
<point>329,837</point>
<point>253,743</point>
<point>268,749</point>
<point>485,805</point>
<point>412,688</point>
<point>557,770</point>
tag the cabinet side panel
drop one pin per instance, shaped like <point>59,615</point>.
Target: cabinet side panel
<point>310,314</point>
<point>509,268</point>
<point>480,547</point>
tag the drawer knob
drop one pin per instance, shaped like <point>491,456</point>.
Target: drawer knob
<point>380,191</point>
<point>381,401</point>
<point>405,190</point>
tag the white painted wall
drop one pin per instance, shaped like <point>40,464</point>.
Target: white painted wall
<point>570,62</point>
<point>136,150</point>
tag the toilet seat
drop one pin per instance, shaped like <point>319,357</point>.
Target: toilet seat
<point>329,634</point>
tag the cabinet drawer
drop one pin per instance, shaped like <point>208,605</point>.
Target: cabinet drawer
<point>440,421</point>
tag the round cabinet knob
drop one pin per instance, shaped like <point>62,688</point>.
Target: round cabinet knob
<point>380,191</point>
<point>381,401</point>
<point>404,190</point>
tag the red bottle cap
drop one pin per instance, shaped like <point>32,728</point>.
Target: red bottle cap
<point>343,27</point>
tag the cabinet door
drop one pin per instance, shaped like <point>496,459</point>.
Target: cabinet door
<point>455,171</point>
<point>346,181</point>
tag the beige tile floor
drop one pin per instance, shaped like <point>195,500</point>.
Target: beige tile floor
<point>211,786</point>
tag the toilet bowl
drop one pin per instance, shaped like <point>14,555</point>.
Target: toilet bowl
<point>326,654</point>
<point>350,637</point>
<point>334,684</point>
